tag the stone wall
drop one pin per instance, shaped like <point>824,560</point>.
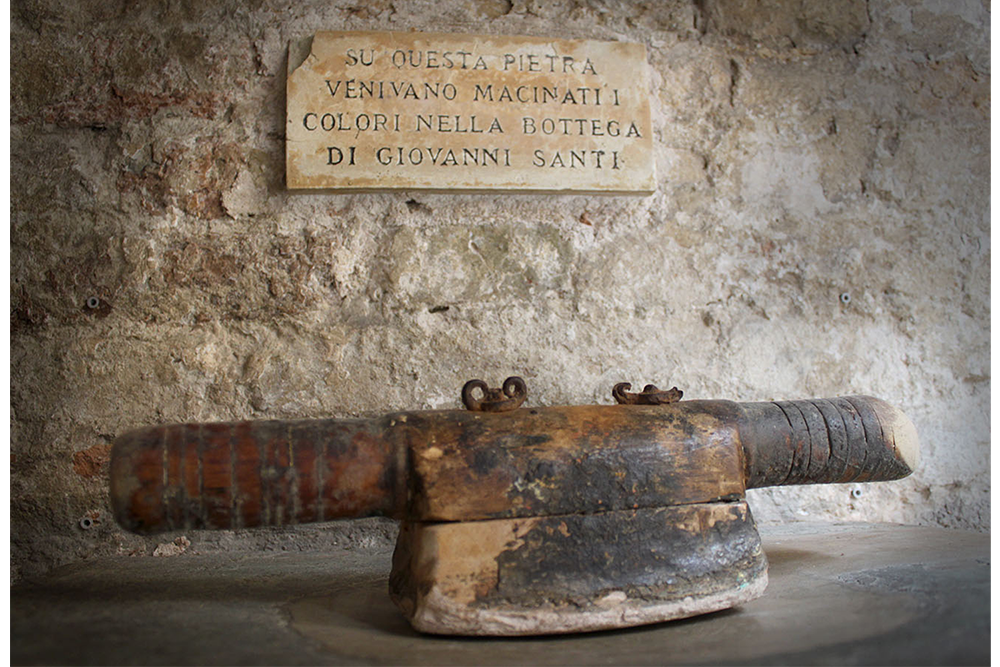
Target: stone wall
<point>820,227</point>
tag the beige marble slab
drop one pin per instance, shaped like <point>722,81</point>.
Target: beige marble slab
<point>390,111</point>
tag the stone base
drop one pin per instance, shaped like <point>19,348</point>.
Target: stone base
<point>577,573</point>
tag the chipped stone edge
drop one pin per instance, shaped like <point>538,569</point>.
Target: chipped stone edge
<point>298,51</point>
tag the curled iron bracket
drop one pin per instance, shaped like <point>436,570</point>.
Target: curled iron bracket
<point>509,397</point>
<point>650,395</point>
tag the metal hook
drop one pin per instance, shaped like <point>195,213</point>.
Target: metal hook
<point>509,397</point>
<point>650,395</point>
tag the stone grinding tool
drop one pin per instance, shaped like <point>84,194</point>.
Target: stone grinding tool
<point>518,520</point>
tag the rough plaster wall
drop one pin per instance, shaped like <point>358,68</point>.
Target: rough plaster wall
<point>805,150</point>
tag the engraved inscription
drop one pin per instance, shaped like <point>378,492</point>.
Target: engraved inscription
<point>384,110</point>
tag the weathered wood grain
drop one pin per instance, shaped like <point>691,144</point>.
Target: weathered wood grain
<point>532,521</point>
<point>560,460</point>
<point>248,474</point>
<point>822,441</point>
<point>456,465</point>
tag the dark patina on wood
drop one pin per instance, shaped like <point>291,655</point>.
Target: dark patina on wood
<point>578,572</point>
<point>562,460</point>
<point>824,441</point>
<point>525,520</point>
<point>663,553</point>
<point>260,473</point>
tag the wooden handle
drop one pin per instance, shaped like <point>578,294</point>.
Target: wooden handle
<point>246,474</point>
<point>459,465</point>
<point>819,441</point>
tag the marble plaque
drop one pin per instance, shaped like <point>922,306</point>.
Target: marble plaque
<point>392,110</point>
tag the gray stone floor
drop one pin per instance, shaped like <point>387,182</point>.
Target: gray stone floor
<point>838,594</point>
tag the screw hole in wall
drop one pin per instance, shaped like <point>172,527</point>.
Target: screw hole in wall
<point>856,492</point>
<point>95,306</point>
<point>845,298</point>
